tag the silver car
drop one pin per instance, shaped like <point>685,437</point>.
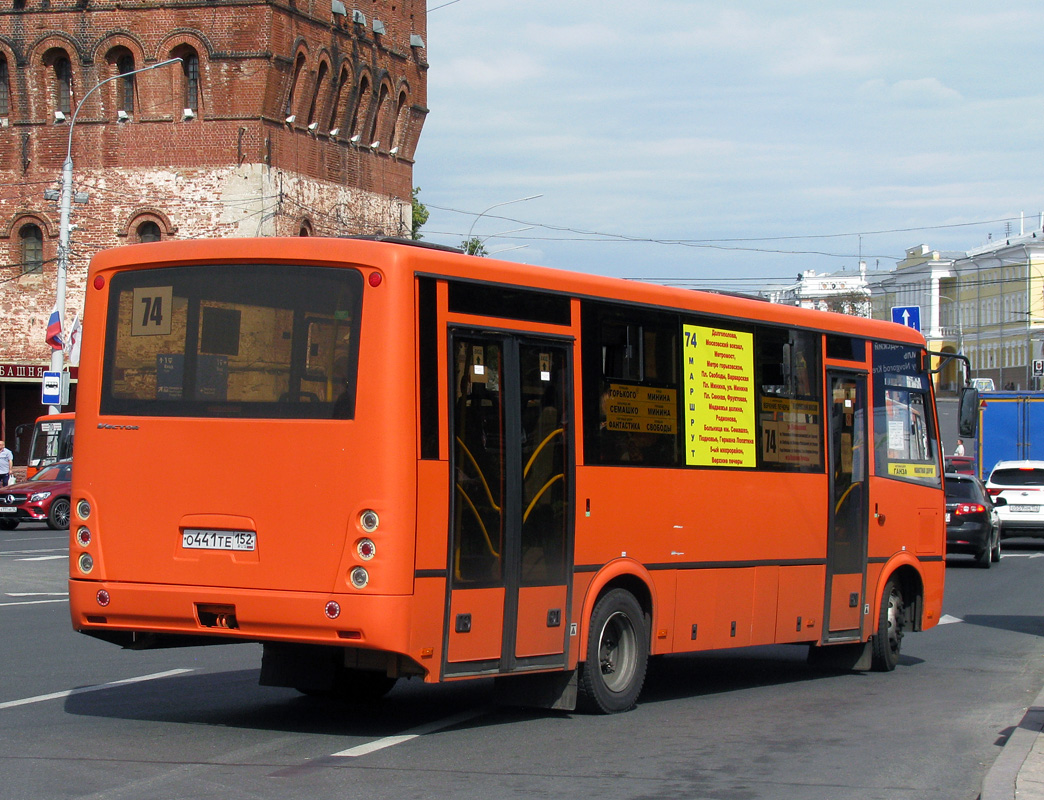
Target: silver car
<point>1021,484</point>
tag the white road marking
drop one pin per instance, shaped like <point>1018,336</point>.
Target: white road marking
<point>413,733</point>
<point>41,558</point>
<point>37,594</point>
<point>84,689</point>
<point>34,602</point>
<point>946,619</point>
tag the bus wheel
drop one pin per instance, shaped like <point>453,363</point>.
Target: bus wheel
<point>360,686</point>
<point>890,624</point>
<point>58,516</point>
<point>612,675</point>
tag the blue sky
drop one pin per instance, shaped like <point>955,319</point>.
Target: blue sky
<point>726,144</point>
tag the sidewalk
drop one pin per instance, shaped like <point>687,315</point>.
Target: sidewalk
<point>1018,771</point>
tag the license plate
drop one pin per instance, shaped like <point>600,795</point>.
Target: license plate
<point>8,510</point>
<point>947,517</point>
<point>1024,509</point>
<point>195,539</point>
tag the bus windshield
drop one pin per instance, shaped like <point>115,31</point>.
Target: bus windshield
<point>257,341</point>
<point>52,441</point>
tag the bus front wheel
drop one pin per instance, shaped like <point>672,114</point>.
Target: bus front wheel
<point>891,623</point>
<point>612,675</point>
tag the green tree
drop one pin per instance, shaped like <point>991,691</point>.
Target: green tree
<point>474,247</point>
<point>420,215</point>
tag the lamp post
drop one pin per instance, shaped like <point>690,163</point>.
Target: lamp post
<point>58,354</point>
<point>498,205</point>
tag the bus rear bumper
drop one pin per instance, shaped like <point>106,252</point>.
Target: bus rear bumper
<point>151,615</point>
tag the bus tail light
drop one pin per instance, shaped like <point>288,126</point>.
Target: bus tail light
<point>366,549</point>
<point>359,578</point>
<point>369,520</point>
<point>333,609</point>
<point>83,509</point>
<point>83,536</point>
<point>85,563</point>
<point>102,597</point>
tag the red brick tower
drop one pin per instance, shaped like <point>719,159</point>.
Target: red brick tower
<point>284,117</point>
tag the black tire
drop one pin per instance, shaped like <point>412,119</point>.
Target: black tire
<point>982,560</point>
<point>59,515</point>
<point>617,656</point>
<point>355,686</point>
<point>995,551</point>
<point>8,524</point>
<point>891,624</point>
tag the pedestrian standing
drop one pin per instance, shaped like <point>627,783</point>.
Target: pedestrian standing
<point>6,464</point>
<point>959,449</point>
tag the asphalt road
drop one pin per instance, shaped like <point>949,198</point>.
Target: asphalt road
<point>83,719</point>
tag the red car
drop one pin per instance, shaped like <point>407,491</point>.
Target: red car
<point>42,498</point>
<point>963,465</point>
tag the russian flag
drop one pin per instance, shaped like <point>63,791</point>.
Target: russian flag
<point>54,329</point>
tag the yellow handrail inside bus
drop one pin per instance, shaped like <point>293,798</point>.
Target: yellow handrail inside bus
<point>837,505</point>
<point>540,447</point>
<point>540,494</point>
<point>482,477</point>
<point>474,510</point>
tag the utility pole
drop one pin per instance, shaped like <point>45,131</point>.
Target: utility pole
<point>58,355</point>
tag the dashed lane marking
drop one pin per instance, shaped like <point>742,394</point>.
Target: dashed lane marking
<point>40,698</point>
<point>413,733</point>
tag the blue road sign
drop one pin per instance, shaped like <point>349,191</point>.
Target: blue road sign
<point>910,316</point>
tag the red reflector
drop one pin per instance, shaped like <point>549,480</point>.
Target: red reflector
<point>99,282</point>
<point>375,279</point>
<point>103,598</point>
<point>994,492</point>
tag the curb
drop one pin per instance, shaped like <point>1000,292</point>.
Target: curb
<point>1001,778</point>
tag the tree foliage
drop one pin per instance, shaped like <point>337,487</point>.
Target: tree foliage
<point>474,247</point>
<point>420,215</point>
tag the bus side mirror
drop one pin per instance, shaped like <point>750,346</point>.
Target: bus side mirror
<point>968,412</point>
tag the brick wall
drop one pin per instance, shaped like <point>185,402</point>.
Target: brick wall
<point>233,167</point>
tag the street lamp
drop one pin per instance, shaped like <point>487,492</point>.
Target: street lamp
<point>498,205</point>
<point>58,354</point>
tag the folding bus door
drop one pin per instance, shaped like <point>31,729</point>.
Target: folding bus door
<point>511,509</point>
<point>847,536</point>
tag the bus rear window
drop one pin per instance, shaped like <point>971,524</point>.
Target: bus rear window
<point>261,341</point>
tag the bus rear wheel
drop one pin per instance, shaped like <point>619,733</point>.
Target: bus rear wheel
<point>613,672</point>
<point>891,624</point>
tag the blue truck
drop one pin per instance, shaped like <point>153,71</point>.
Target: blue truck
<point>1011,426</point>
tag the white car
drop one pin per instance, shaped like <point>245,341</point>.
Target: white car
<point>1021,484</point>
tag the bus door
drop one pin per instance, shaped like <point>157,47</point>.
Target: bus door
<point>847,537</point>
<point>511,529</point>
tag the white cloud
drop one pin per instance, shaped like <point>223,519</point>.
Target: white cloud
<point>675,117</point>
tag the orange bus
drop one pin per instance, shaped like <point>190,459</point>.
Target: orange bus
<point>385,460</point>
<point>50,441</point>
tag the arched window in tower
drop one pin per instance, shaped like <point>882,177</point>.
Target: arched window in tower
<point>298,68</point>
<point>149,232</point>
<point>32,248</point>
<point>305,229</point>
<point>63,89</point>
<point>362,107</point>
<point>340,95</point>
<point>5,88</point>
<point>320,79</point>
<point>379,119</point>
<point>402,110</point>
<point>191,92</point>
<point>125,90</point>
